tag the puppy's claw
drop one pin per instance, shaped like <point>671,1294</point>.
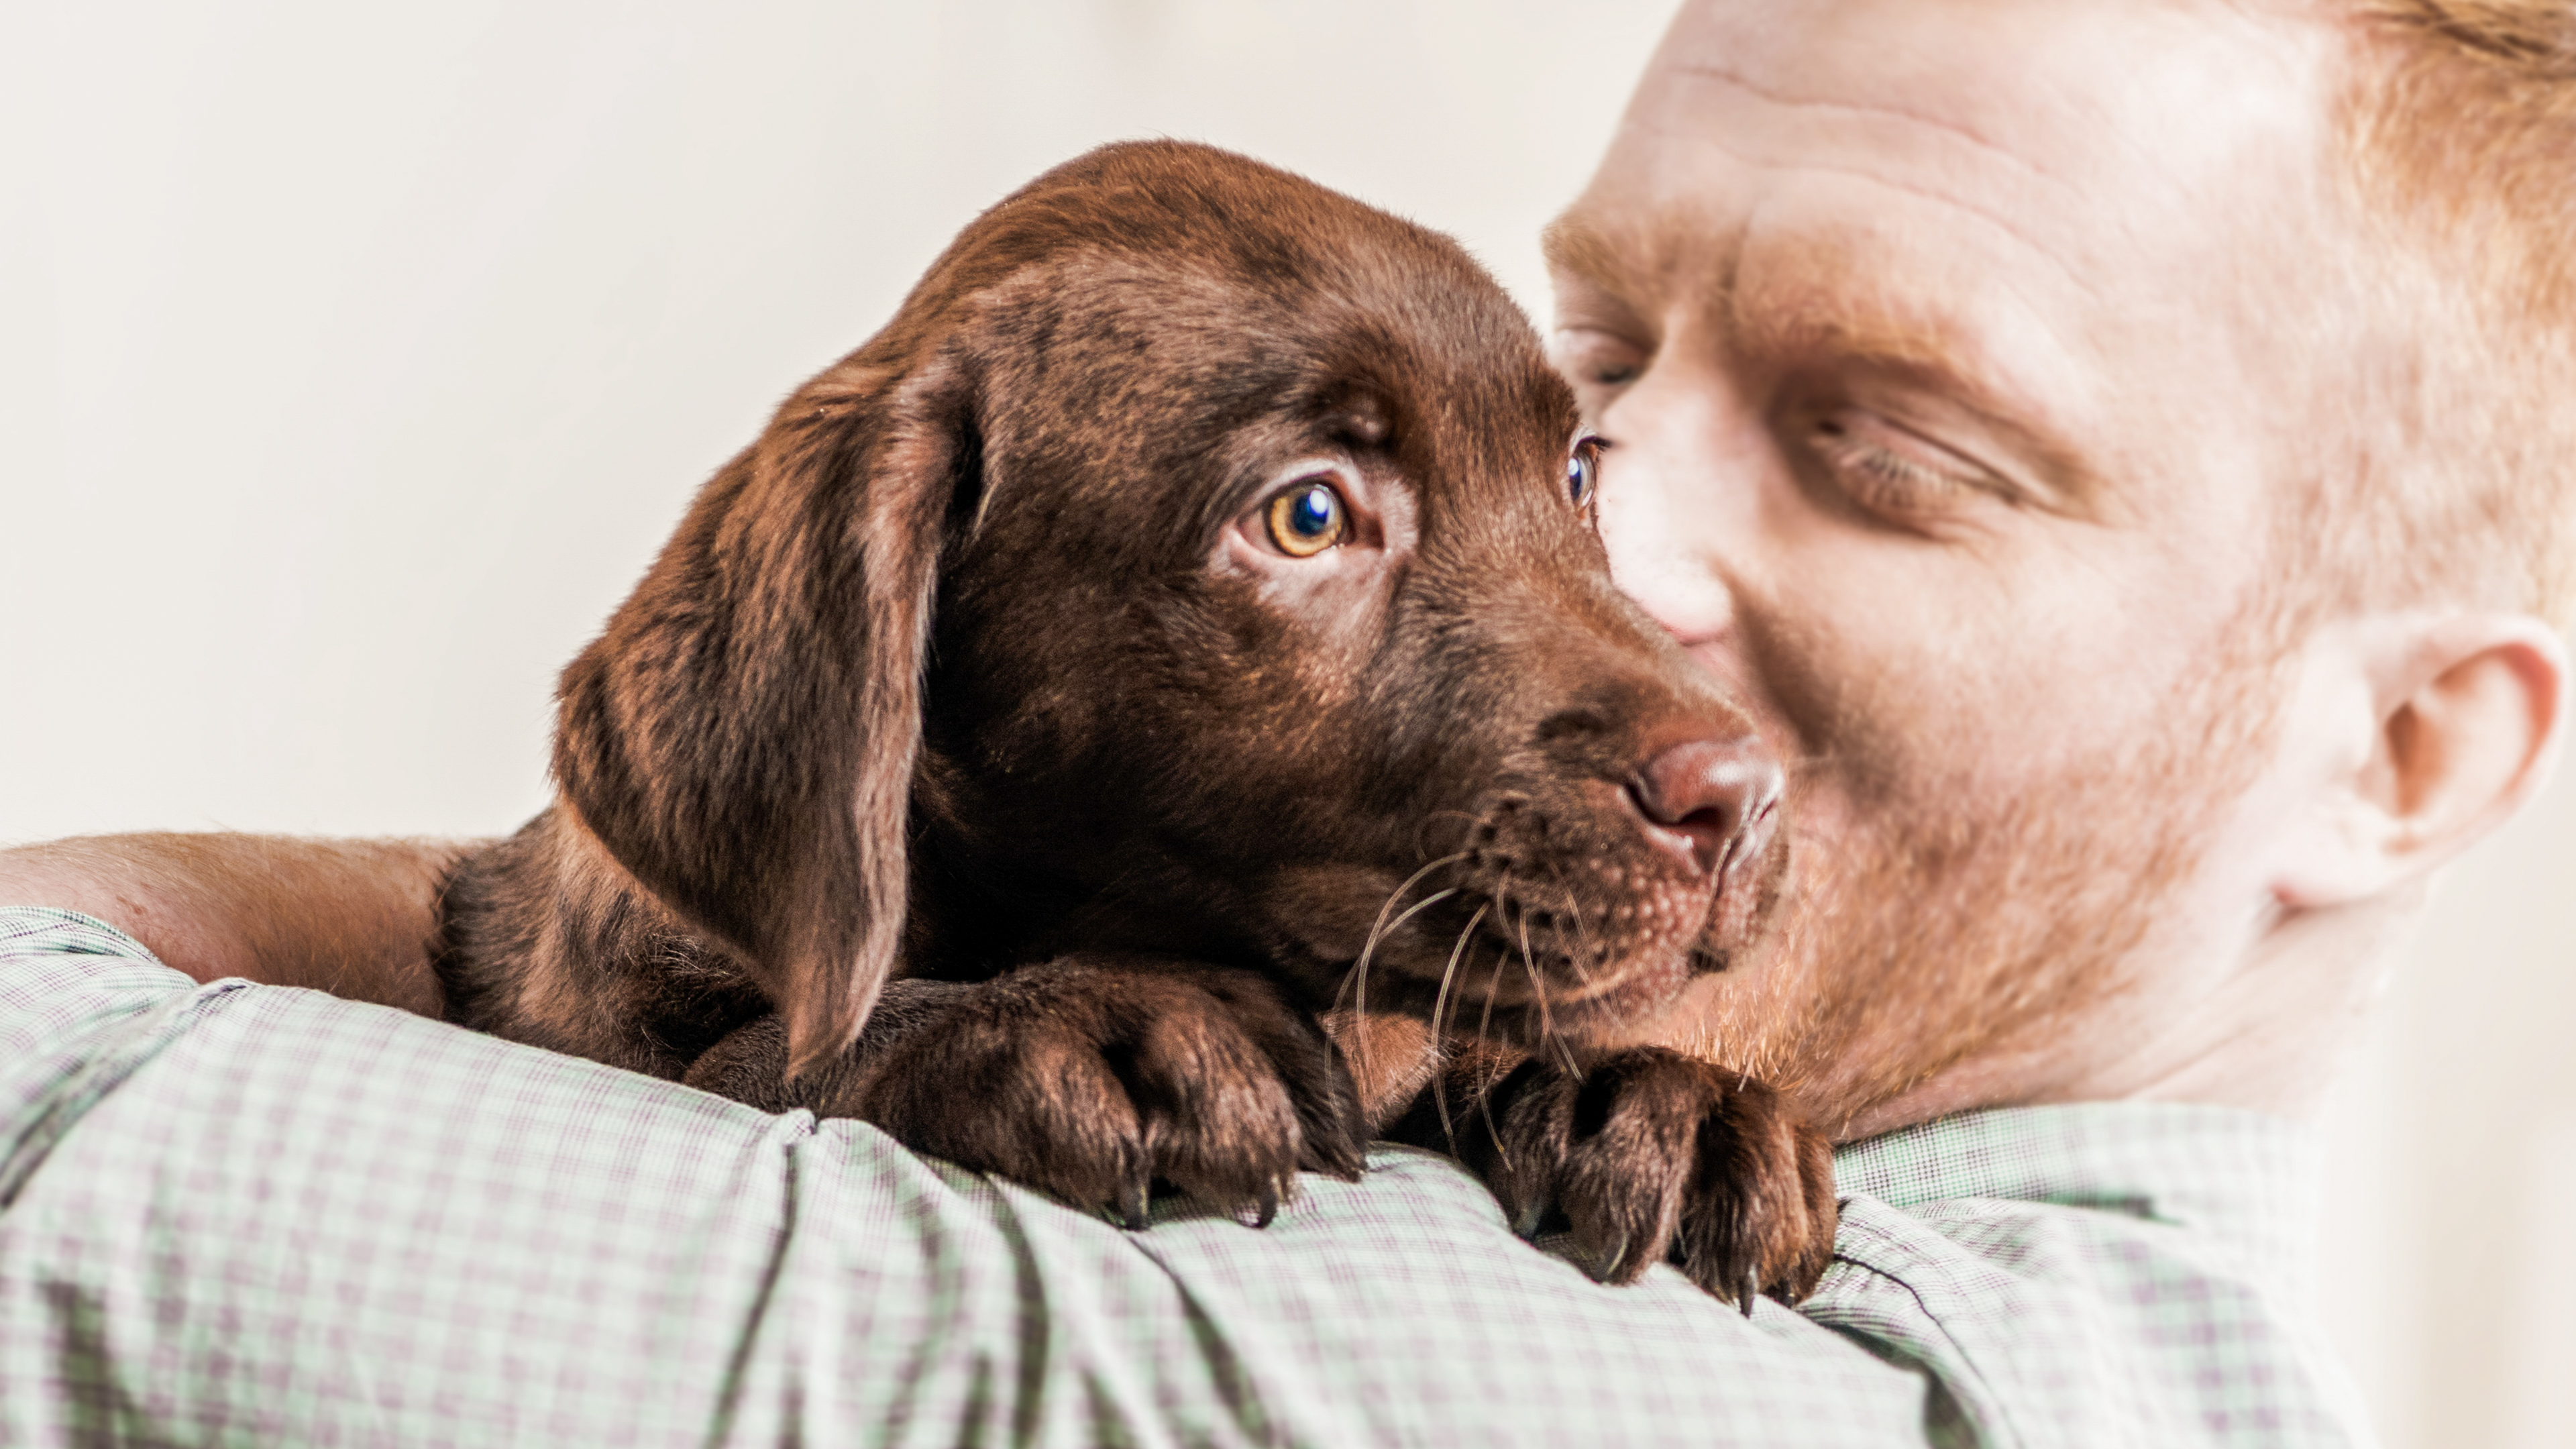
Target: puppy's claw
<point>1131,1206</point>
<point>1611,1262</point>
<point>1532,1214</point>
<point>1269,1204</point>
<point>1749,1208</point>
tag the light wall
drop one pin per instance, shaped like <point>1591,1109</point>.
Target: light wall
<point>353,359</point>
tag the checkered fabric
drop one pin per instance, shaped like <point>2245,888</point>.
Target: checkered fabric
<point>238,1214</point>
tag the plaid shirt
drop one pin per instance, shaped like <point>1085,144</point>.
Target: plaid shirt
<point>237,1214</point>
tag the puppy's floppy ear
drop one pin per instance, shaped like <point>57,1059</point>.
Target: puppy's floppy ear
<point>742,737</point>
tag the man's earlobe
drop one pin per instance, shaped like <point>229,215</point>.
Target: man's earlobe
<point>2465,717</point>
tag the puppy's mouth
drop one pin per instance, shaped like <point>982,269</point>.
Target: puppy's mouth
<point>1582,925</point>
<point>1524,988</point>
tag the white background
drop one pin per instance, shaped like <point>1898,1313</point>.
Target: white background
<point>354,359</point>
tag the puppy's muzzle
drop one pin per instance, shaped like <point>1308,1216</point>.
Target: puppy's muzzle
<point>1709,803</point>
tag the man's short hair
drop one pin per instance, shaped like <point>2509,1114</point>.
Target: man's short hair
<point>2459,121</point>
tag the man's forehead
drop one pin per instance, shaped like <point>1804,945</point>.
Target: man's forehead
<point>2101,223</point>
<point>2027,117</point>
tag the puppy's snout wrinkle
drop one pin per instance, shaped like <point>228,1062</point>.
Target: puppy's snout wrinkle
<point>1710,802</point>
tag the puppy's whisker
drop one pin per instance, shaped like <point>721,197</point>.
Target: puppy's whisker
<point>1449,973</point>
<point>1418,907</point>
<point>1573,904</point>
<point>1581,975</point>
<point>1379,928</point>
<point>1485,1098</point>
<point>1378,931</point>
<point>1538,987</point>
<point>1493,988</point>
<point>1361,970</point>
<point>1574,954</point>
<point>1410,881</point>
<point>1358,974</point>
<point>1439,1079</point>
<point>1582,935</point>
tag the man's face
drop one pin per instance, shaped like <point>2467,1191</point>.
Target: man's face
<point>1955,357</point>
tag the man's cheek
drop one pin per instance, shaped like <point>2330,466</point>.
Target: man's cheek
<point>1839,701</point>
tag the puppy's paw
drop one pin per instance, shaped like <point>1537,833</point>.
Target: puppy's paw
<point>750,1063</point>
<point>1094,1077</point>
<point>1655,1156</point>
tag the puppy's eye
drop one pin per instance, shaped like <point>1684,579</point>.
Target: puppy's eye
<point>1583,471</point>
<point>1307,518</point>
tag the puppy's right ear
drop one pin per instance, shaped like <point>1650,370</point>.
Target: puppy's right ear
<point>742,738</point>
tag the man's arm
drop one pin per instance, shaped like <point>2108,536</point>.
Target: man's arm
<point>442,1237</point>
<point>351,917</point>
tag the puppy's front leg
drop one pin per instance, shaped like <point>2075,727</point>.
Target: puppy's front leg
<point>1091,1077</point>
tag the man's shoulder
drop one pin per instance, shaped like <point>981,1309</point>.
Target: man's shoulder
<point>2098,1273</point>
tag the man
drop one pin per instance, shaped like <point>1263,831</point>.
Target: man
<point>2078,455</point>
<point>2110,444</point>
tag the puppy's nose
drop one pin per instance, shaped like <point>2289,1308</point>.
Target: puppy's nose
<point>1710,801</point>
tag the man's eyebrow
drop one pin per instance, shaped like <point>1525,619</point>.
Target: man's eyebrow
<point>1818,306</point>
<point>1575,243</point>
<point>1779,317</point>
<point>1816,311</point>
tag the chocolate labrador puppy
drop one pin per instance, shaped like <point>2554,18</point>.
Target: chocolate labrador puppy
<point>1186,620</point>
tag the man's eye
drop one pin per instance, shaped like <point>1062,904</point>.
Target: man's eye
<point>1890,471</point>
<point>1590,357</point>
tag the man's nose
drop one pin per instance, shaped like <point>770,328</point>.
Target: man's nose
<point>1675,490</point>
<point>1710,802</point>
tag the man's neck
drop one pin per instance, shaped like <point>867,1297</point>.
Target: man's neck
<point>2267,1026</point>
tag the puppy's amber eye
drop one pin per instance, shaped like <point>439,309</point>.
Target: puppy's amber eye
<point>1307,519</point>
<point>1583,471</point>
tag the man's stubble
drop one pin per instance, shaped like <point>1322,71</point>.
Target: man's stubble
<point>1937,922</point>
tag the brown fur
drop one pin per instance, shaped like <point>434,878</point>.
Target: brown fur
<point>961,678</point>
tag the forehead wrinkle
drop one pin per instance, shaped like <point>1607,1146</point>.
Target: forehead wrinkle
<point>1959,130</point>
<point>1825,299</point>
<point>1888,178</point>
<point>2225,64</point>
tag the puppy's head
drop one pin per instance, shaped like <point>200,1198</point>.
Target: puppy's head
<point>1201,560</point>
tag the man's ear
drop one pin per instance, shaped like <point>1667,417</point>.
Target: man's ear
<point>2428,733</point>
